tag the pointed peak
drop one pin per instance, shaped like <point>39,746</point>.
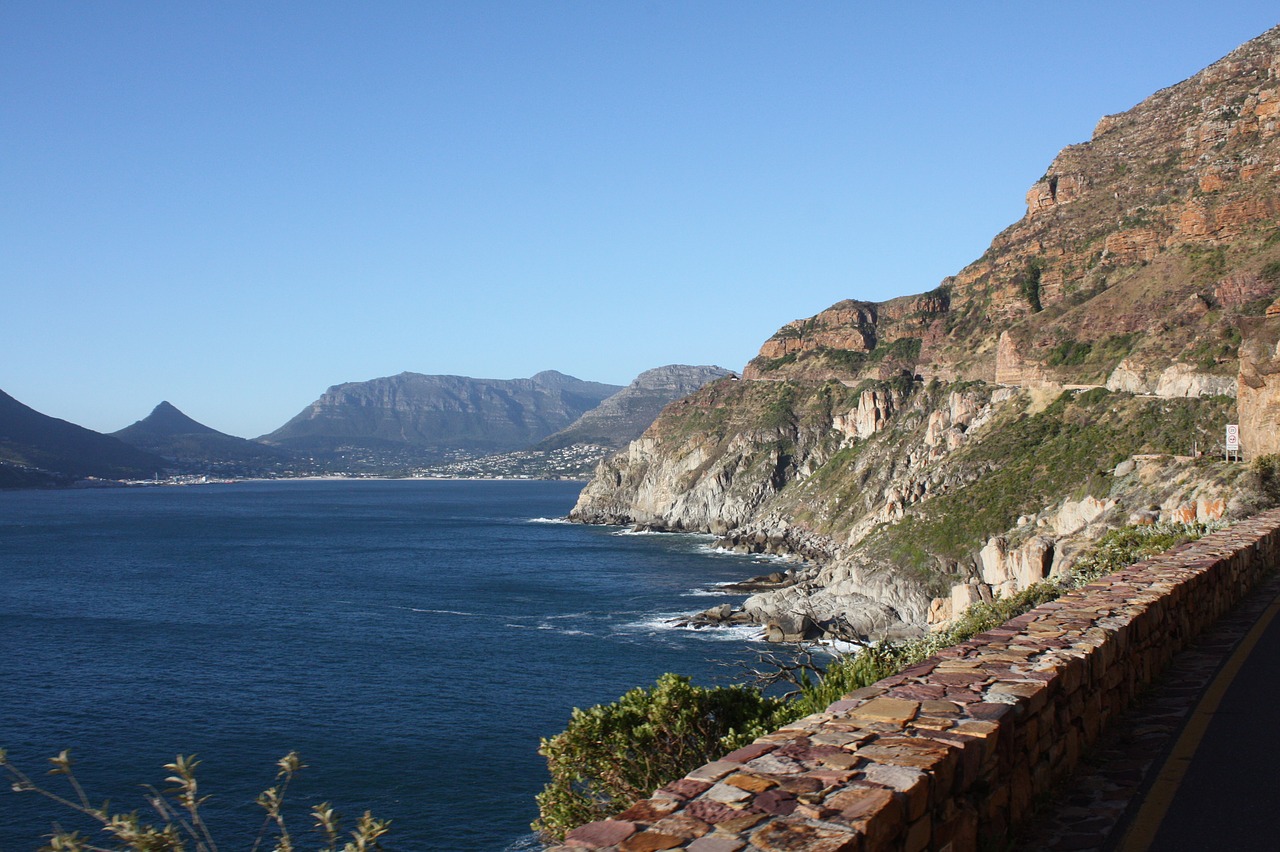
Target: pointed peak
<point>166,419</point>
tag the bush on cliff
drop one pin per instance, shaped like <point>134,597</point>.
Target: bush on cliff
<point>614,754</point>
<point>1266,476</point>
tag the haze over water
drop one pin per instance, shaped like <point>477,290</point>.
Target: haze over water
<point>412,640</point>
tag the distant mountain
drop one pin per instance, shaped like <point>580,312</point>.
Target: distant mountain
<point>169,433</point>
<point>36,449</point>
<point>413,418</point>
<point>624,416</point>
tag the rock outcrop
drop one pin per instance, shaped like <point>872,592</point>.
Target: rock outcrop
<point>1259,400</point>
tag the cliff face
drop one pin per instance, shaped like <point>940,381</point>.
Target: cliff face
<point>1260,386</point>
<point>1145,245</point>
<point>933,450</point>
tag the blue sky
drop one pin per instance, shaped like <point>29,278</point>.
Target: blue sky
<point>232,206</point>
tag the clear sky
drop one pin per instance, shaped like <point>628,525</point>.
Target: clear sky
<point>233,206</point>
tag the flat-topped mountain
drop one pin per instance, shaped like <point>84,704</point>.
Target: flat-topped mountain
<point>193,446</point>
<point>36,449</point>
<point>624,416</point>
<point>414,418</point>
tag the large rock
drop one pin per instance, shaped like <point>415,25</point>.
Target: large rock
<point>1173,381</point>
<point>1182,380</point>
<point>1259,399</point>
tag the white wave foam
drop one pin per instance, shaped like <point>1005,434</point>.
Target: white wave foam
<point>667,623</point>
<point>567,631</point>
<point>448,612</point>
<point>755,557</point>
<point>772,557</point>
<point>550,521</point>
<point>528,843</point>
<point>713,550</point>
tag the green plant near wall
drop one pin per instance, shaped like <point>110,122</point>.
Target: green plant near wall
<point>1266,472</point>
<point>614,754</point>
<point>1206,263</point>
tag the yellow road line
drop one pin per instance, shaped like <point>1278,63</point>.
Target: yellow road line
<point>1142,832</point>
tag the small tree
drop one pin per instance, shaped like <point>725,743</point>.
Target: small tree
<point>612,755</point>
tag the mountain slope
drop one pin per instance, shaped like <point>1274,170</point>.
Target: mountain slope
<point>37,449</point>
<point>415,418</point>
<point>624,416</point>
<point>169,433</point>
<point>932,450</point>
<point>1145,244</point>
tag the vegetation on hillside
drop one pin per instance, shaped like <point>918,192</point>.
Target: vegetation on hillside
<point>1028,461</point>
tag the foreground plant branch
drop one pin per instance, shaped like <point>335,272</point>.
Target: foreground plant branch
<point>178,808</point>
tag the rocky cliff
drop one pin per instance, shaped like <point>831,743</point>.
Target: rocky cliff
<point>933,450</point>
<point>1140,249</point>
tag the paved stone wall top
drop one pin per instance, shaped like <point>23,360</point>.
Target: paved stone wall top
<point>957,747</point>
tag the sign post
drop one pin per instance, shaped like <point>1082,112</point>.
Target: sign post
<point>1233,441</point>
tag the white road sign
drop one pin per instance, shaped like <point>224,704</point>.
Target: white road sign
<point>1233,437</point>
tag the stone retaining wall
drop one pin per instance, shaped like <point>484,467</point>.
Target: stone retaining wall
<point>958,747</point>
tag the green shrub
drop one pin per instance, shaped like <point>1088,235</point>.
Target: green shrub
<point>1271,272</point>
<point>1029,283</point>
<point>1127,545</point>
<point>1069,353</point>
<point>612,755</point>
<point>1266,469</point>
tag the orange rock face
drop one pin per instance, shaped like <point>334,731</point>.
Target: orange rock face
<point>1258,402</point>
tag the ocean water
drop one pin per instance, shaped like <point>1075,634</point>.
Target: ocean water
<point>412,640</point>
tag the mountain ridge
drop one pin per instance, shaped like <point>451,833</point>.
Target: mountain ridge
<point>415,418</point>
<point>1175,196</point>
<point>192,446</point>
<point>623,417</point>
<point>36,449</point>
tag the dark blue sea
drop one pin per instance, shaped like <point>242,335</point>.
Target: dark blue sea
<point>412,640</point>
